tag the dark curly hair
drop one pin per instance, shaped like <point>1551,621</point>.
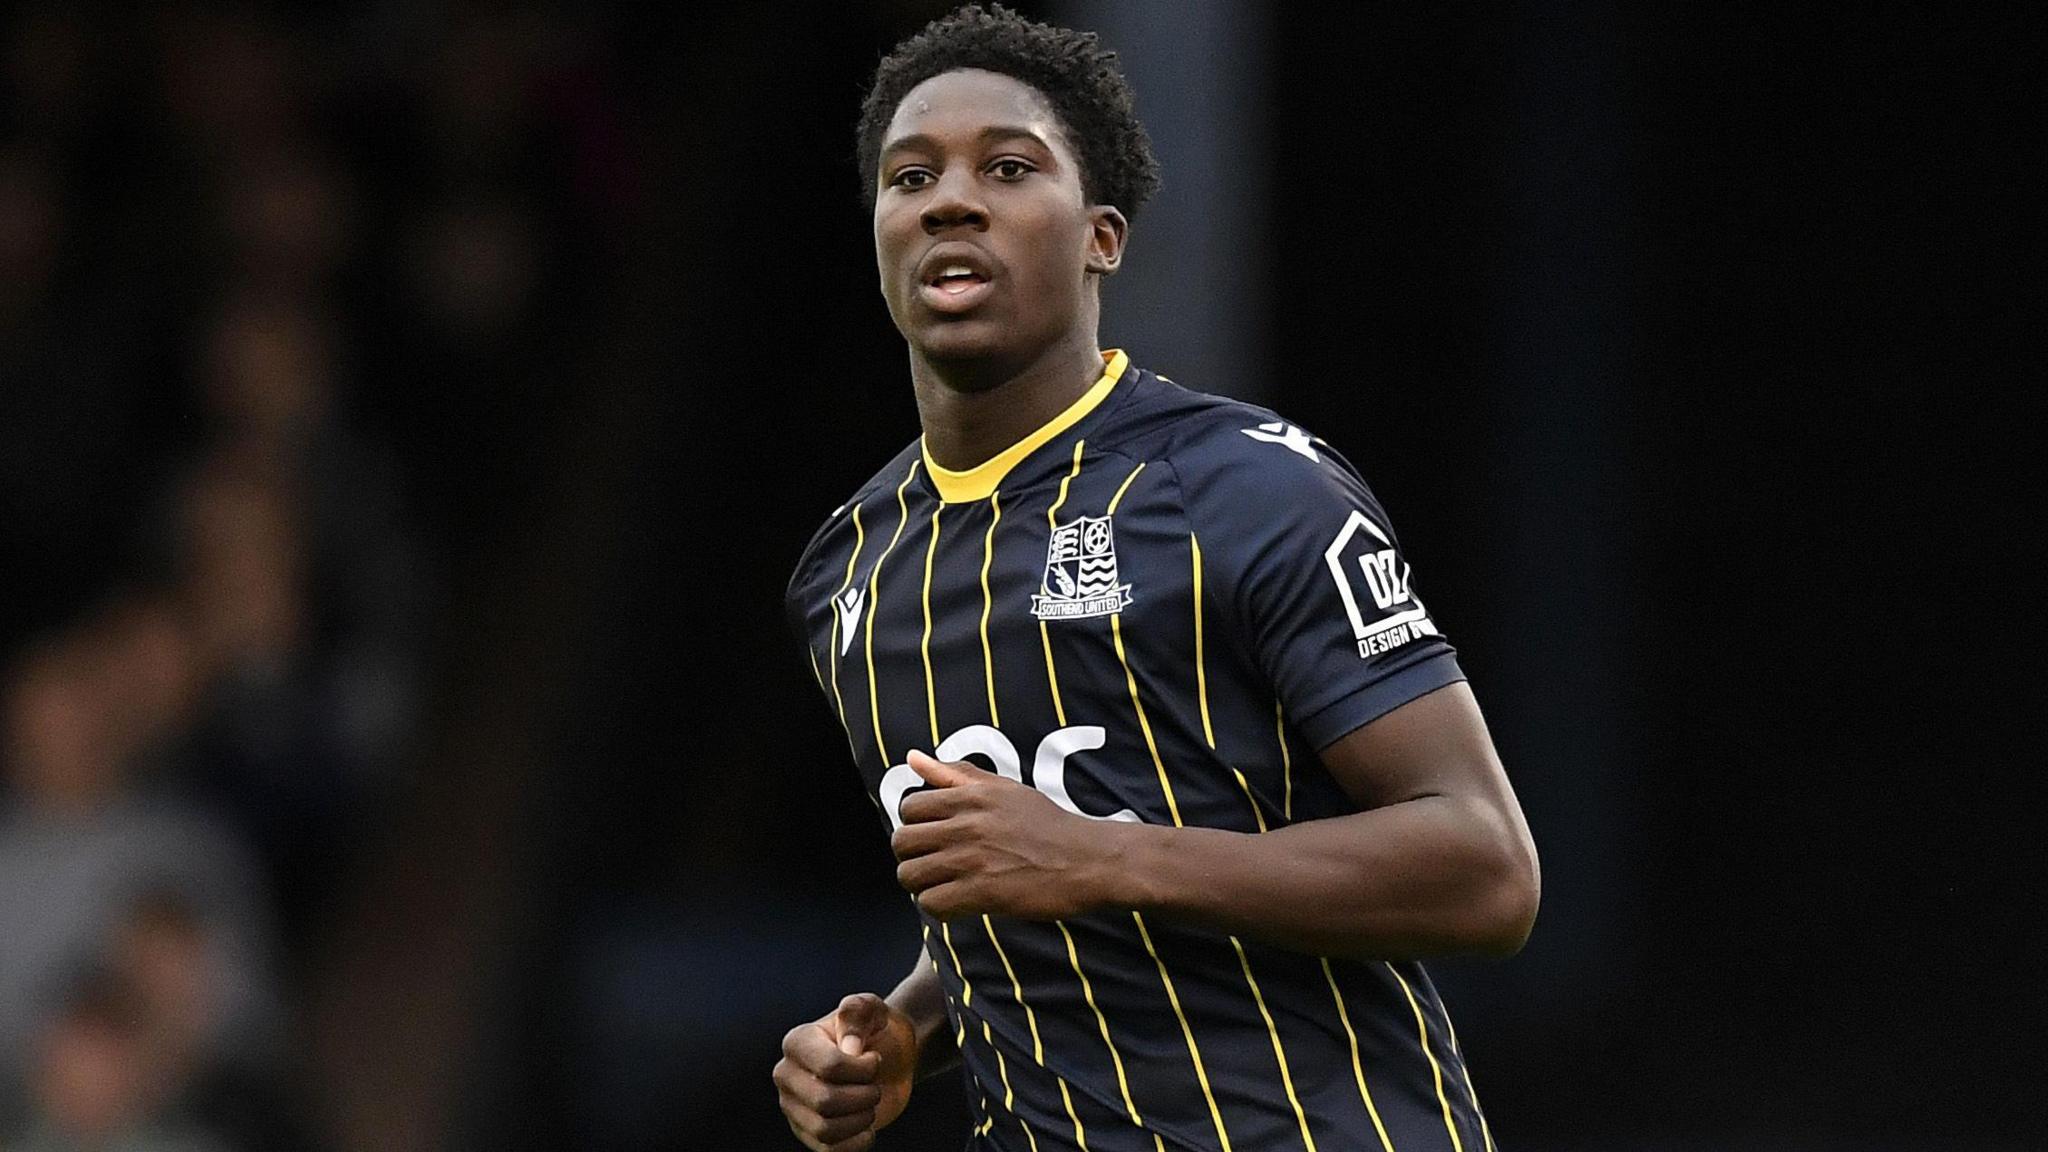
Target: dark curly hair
<point>1075,75</point>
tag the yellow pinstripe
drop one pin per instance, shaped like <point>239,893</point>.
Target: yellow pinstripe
<point>966,988</point>
<point>1101,1022</point>
<point>1187,1033</point>
<point>860,538</point>
<point>1286,763</point>
<point>1017,990</point>
<point>1450,1030</point>
<point>1436,1070</point>
<point>1045,637</point>
<point>1201,664</point>
<point>988,553</point>
<point>1279,1053</point>
<point>960,1029</point>
<point>1116,631</point>
<point>815,673</point>
<point>924,643</point>
<point>1037,1045</point>
<point>874,697</point>
<point>988,671</point>
<point>1122,488</point>
<point>1009,1097</point>
<point>1059,707</point>
<point>1202,695</point>
<point>1357,1068</point>
<point>1173,807</point>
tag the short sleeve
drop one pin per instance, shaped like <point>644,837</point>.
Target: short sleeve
<point>1305,567</point>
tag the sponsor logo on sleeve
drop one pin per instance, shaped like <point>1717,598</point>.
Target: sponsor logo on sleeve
<point>1363,562</point>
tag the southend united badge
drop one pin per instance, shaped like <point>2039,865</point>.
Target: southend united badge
<point>1080,573</point>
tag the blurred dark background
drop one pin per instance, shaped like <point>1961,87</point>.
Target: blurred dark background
<point>409,414</point>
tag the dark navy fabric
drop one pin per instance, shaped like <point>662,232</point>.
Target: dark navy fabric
<point>1052,632</point>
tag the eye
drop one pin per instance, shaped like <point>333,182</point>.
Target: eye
<point>1010,168</point>
<point>911,178</point>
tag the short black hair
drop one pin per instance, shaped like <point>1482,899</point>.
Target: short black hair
<point>1077,76</point>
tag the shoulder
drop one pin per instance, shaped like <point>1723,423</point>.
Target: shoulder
<point>1224,450</point>
<point>843,521</point>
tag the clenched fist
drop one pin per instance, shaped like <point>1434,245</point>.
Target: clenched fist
<point>847,1075</point>
<point>975,842</point>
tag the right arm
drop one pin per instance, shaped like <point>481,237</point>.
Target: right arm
<point>848,1074</point>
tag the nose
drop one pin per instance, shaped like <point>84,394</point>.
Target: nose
<point>955,203</point>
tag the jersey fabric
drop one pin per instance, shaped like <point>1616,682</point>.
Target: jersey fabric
<point>1158,607</point>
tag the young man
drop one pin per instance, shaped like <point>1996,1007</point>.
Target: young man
<point>1177,766</point>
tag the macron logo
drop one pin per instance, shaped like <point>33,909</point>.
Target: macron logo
<point>1287,436</point>
<point>849,604</point>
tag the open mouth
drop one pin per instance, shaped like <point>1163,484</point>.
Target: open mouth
<point>956,280</point>
<point>954,286</point>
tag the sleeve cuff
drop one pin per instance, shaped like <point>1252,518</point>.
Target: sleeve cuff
<point>1347,714</point>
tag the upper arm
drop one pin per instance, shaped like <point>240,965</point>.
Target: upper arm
<point>1436,745</point>
<point>1306,571</point>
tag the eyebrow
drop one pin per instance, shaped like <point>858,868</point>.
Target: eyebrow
<point>987,135</point>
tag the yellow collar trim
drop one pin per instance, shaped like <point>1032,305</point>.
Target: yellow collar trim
<point>977,482</point>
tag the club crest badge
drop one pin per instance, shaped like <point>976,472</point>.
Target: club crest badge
<point>1080,573</point>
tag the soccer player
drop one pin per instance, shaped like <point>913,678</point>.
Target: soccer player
<point>1177,766</point>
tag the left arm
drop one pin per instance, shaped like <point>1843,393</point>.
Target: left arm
<point>1438,860</point>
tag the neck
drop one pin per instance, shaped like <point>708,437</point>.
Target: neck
<point>972,410</point>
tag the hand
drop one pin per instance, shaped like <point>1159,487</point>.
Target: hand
<point>977,843</point>
<point>847,1075</point>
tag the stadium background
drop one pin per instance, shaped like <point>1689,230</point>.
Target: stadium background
<point>409,414</point>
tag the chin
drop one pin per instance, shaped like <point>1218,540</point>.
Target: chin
<point>963,340</point>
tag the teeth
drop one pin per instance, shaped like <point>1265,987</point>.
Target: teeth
<point>957,270</point>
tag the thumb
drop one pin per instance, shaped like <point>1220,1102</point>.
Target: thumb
<point>938,773</point>
<point>859,1019</point>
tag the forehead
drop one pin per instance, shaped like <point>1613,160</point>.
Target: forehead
<point>962,103</point>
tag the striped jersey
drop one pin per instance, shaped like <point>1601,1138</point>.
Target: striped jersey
<point>1157,607</point>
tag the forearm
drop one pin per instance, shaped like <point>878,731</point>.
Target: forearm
<point>922,1001</point>
<point>1425,876</point>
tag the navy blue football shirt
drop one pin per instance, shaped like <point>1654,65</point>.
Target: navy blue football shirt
<point>1157,607</point>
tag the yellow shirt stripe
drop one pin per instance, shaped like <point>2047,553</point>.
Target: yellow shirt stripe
<point>1009,1097</point>
<point>1357,1068</point>
<point>1452,1031</point>
<point>1286,763</point>
<point>1209,734</point>
<point>1187,1033</point>
<point>1173,807</point>
<point>1101,1022</point>
<point>988,553</point>
<point>1052,679</point>
<point>874,577</point>
<point>1279,1053</point>
<point>1201,663</point>
<point>946,930</point>
<point>966,988</point>
<point>1116,632</point>
<point>1044,636</point>
<point>924,643</point>
<point>859,540</point>
<point>1435,1069</point>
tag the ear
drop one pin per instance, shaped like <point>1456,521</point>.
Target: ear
<point>1107,232</point>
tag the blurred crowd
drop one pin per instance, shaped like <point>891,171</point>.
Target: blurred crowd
<point>242,260</point>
